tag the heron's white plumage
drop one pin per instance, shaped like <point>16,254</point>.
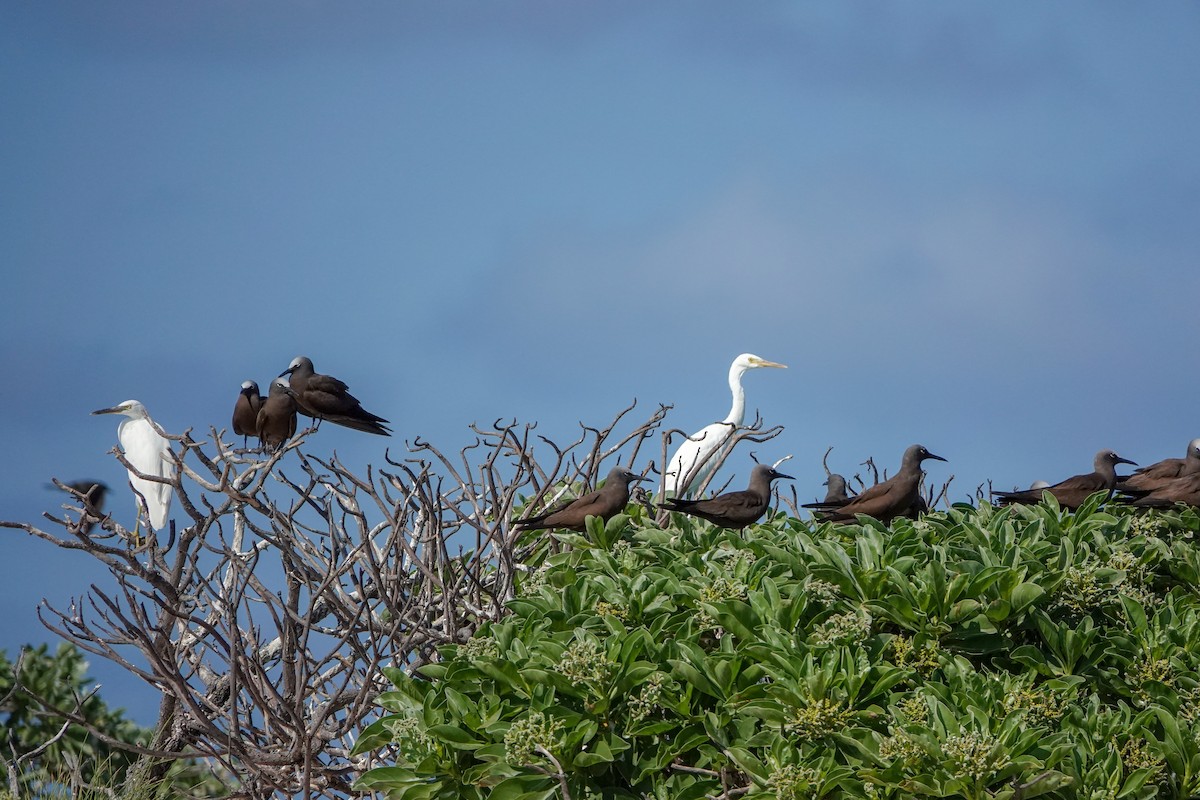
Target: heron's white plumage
<point>148,452</point>
<point>697,457</point>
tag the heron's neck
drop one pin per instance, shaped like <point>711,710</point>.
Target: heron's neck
<point>737,411</point>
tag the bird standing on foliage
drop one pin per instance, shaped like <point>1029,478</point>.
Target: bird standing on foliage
<point>150,454</point>
<point>1072,492</point>
<point>276,421</point>
<point>898,496</point>
<point>732,509</point>
<point>605,503</point>
<point>245,411</point>
<point>697,457</point>
<point>1162,473</point>
<point>325,397</point>
<point>837,489</point>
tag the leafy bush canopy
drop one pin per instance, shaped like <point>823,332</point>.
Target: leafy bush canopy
<point>1014,653</point>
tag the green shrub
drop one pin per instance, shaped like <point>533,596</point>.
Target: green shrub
<point>1013,653</point>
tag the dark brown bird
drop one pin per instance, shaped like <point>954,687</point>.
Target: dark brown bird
<point>93,501</point>
<point>605,502</point>
<point>1184,489</point>
<point>325,397</point>
<point>1160,474</point>
<point>1072,492</point>
<point>245,411</point>
<point>276,422</point>
<point>732,509</point>
<point>837,489</point>
<point>899,495</point>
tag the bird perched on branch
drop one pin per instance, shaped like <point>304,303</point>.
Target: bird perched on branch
<point>732,509</point>
<point>697,457</point>
<point>325,397</point>
<point>245,411</point>
<point>837,489</point>
<point>605,503</point>
<point>1072,492</point>
<point>276,421</point>
<point>898,496</point>
<point>1161,473</point>
<point>149,453</point>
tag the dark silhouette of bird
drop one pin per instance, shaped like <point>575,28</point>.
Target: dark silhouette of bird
<point>732,509</point>
<point>245,411</point>
<point>898,496</point>
<point>1072,492</point>
<point>1183,489</point>
<point>837,489</point>
<point>93,501</point>
<point>325,397</point>
<point>1162,473</point>
<point>276,422</point>
<point>605,503</point>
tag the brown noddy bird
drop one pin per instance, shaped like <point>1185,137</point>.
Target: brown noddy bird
<point>245,411</point>
<point>898,496</point>
<point>325,397</point>
<point>276,422</point>
<point>732,509</point>
<point>1072,492</point>
<point>605,502</point>
<point>837,489</point>
<point>1183,489</point>
<point>1146,479</point>
<point>93,500</point>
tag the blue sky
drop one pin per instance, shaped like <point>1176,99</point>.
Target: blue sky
<point>970,225</point>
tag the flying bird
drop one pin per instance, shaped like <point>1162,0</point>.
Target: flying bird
<point>93,500</point>
<point>604,502</point>
<point>732,509</point>
<point>325,397</point>
<point>245,411</point>
<point>276,421</point>
<point>898,496</point>
<point>697,457</point>
<point>1162,473</point>
<point>150,454</point>
<point>1072,492</point>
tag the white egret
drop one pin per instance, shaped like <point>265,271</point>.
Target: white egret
<point>150,454</point>
<point>697,457</point>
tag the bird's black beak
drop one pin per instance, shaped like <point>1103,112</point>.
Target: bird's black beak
<point>638,478</point>
<point>935,458</point>
<point>106,411</point>
<point>287,371</point>
<point>777,474</point>
<point>1120,460</point>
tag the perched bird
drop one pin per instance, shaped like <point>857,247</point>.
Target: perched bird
<point>1162,473</point>
<point>604,502</point>
<point>837,489</point>
<point>325,397</point>
<point>245,411</point>
<point>898,496</point>
<point>732,509</point>
<point>150,454</point>
<point>1072,492</point>
<point>1183,489</point>
<point>276,421</point>
<point>697,457</point>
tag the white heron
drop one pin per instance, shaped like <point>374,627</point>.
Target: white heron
<point>697,457</point>
<point>150,454</point>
